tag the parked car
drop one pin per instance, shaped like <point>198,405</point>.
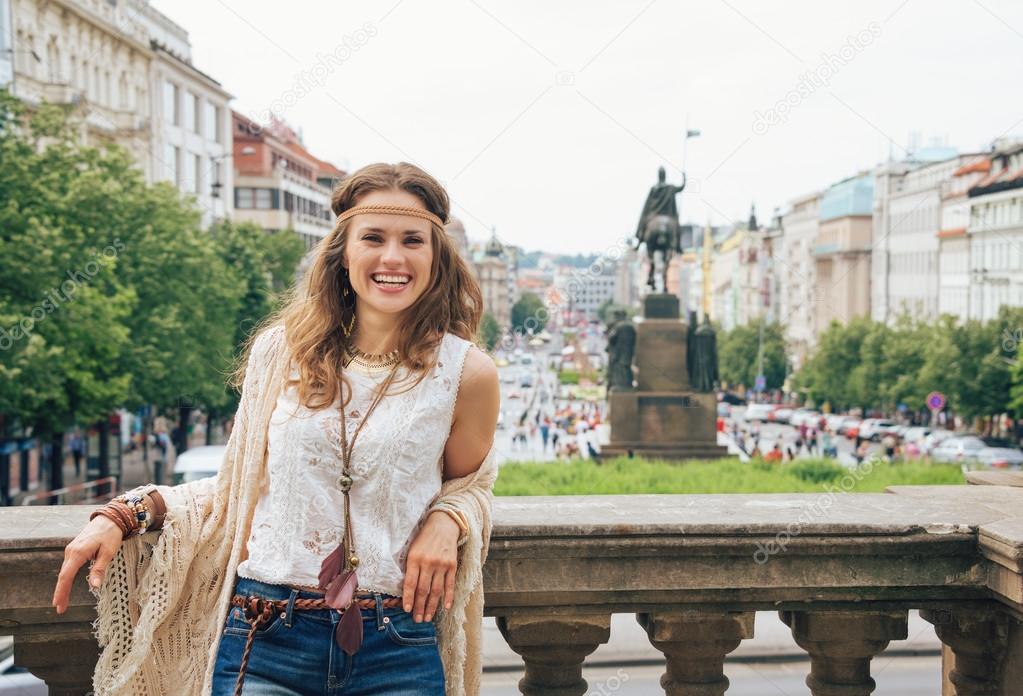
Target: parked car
<point>198,463</point>
<point>935,438</point>
<point>724,410</point>
<point>834,421</point>
<point>508,377</point>
<point>1000,458</point>
<point>848,422</point>
<point>803,415</point>
<point>916,434</point>
<point>758,412</point>
<point>958,449</point>
<point>874,429</point>
<point>526,380</point>
<point>781,414</point>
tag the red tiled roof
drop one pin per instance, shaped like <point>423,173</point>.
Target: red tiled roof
<point>977,165</point>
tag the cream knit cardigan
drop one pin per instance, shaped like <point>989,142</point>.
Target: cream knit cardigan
<point>165,596</point>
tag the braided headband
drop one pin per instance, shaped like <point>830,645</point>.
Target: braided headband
<point>391,210</point>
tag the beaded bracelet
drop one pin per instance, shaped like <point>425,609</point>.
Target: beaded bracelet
<point>136,502</point>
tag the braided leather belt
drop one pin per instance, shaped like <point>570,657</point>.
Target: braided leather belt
<point>259,610</point>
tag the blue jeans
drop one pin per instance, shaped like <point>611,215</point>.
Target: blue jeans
<point>295,653</point>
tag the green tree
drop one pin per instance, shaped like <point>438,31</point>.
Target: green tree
<point>825,376</point>
<point>738,352</point>
<point>490,332</point>
<point>529,313</point>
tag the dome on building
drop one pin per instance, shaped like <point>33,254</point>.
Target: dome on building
<point>494,247</point>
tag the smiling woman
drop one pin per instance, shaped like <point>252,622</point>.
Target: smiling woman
<point>351,513</point>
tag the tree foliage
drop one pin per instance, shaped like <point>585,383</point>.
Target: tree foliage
<point>739,351</point>
<point>529,313</point>
<point>111,294</point>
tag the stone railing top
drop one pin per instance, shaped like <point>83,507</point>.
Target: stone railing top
<point>912,546</point>
<point>936,509</point>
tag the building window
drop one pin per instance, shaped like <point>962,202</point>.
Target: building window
<point>189,173</point>
<point>190,105</point>
<point>211,127</point>
<point>197,163</point>
<point>170,163</point>
<point>264,201</point>
<point>170,103</point>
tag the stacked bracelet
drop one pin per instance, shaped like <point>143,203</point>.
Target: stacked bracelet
<point>131,514</point>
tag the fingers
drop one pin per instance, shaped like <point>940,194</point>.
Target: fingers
<point>436,592</point>
<point>449,587</point>
<point>99,568</point>
<point>422,592</point>
<point>408,589</point>
<point>73,560</point>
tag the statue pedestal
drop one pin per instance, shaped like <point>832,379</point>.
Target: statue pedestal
<point>663,417</point>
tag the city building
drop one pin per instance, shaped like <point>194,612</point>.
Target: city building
<point>841,252</point>
<point>907,219</point>
<point>91,55</point>
<point>492,273</point>
<point>995,234</point>
<point>953,241</point>
<point>192,128</point>
<point>796,274</point>
<point>279,185</point>
<point>626,292</point>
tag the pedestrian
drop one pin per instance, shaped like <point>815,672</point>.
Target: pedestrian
<point>811,443</point>
<point>77,445</point>
<point>545,432</point>
<point>888,442</point>
<point>353,573</point>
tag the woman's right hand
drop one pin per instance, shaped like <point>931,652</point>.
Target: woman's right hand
<point>98,541</point>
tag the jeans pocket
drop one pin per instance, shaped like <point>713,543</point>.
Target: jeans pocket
<point>237,625</point>
<point>402,630</point>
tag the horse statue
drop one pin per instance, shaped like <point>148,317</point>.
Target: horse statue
<point>659,229</point>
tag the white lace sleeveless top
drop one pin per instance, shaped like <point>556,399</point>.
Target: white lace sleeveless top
<point>396,471</point>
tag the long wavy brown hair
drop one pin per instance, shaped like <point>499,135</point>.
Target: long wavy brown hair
<point>317,306</point>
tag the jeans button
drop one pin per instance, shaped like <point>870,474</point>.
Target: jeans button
<point>387,619</point>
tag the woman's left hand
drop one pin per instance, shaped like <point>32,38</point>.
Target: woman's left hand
<point>430,567</point>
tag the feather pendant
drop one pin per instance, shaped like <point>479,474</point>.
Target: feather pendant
<point>331,566</point>
<point>348,633</point>
<point>341,590</point>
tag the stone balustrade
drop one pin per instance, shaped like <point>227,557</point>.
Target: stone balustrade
<point>841,570</point>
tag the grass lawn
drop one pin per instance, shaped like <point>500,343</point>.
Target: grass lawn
<point>623,475</point>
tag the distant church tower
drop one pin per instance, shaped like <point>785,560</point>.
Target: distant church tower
<point>492,271</point>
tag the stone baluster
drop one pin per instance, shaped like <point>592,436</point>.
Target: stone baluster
<point>694,643</point>
<point>978,642</point>
<point>841,645</point>
<point>63,655</point>
<point>553,649</point>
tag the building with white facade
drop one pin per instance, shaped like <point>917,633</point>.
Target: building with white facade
<point>907,218</point>
<point>192,129</point>
<point>995,234</point>
<point>92,55</point>
<point>796,271</point>
<point>953,241</point>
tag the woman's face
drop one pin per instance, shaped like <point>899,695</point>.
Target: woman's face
<point>389,256</point>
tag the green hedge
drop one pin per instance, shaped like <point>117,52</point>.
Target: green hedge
<point>568,377</point>
<point>623,475</point>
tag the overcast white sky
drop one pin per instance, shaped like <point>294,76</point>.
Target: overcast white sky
<point>548,120</point>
